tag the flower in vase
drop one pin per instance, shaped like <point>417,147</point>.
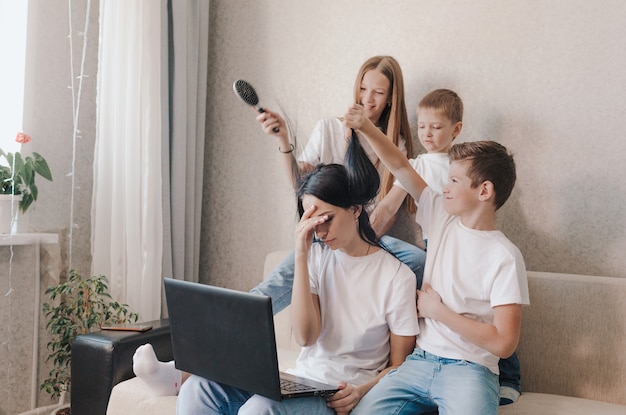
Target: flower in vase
<point>17,176</point>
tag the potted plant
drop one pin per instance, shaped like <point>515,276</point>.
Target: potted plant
<point>17,176</point>
<point>79,305</point>
<point>17,183</point>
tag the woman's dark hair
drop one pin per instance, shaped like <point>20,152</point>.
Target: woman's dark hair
<point>355,184</point>
<point>363,177</point>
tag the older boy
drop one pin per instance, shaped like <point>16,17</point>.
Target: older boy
<point>474,284</point>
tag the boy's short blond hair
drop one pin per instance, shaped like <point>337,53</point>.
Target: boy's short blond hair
<point>446,101</point>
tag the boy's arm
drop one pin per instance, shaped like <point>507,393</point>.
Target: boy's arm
<point>386,151</point>
<point>499,338</point>
<point>383,216</point>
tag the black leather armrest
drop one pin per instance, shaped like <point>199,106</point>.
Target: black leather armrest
<point>102,359</point>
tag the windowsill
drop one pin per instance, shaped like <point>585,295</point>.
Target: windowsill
<point>28,238</point>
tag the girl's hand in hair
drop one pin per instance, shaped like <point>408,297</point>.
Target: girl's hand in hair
<point>306,227</point>
<point>355,117</point>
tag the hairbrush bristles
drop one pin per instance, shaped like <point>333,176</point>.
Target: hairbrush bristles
<point>246,92</point>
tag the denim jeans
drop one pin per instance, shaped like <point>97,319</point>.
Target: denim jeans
<point>279,281</point>
<point>426,383</point>
<point>202,396</point>
<point>260,405</point>
<point>199,396</point>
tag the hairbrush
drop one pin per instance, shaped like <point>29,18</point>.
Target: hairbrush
<point>248,95</point>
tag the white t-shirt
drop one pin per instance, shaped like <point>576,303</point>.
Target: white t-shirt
<point>328,144</point>
<point>362,300</point>
<point>473,271</point>
<point>434,168</point>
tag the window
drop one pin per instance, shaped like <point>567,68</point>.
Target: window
<point>13,18</point>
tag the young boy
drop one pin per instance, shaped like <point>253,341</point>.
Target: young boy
<point>474,284</point>
<point>439,122</point>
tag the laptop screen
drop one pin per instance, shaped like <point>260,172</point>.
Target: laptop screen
<point>224,335</point>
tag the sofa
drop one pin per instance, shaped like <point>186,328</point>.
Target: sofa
<point>572,352</point>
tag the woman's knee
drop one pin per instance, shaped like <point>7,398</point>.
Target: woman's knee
<point>189,398</point>
<point>258,405</point>
<point>199,395</point>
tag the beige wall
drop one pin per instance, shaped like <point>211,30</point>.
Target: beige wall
<point>545,78</point>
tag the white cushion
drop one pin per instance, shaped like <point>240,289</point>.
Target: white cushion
<point>546,404</point>
<point>134,397</point>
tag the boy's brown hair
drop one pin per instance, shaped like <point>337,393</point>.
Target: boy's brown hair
<point>446,101</point>
<point>489,161</point>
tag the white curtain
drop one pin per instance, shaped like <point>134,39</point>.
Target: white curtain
<point>149,147</point>
<point>188,56</point>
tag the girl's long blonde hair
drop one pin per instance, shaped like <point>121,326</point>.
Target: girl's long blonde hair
<point>394,121</point>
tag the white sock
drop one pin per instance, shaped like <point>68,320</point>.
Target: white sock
<point>162,377</point>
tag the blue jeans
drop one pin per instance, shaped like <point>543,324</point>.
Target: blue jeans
<point>426,383</point>
<point>260,405</point>
<point>279,281</point>
<point>199,396</point>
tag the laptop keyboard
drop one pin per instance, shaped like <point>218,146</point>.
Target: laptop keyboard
<point>290,386</point>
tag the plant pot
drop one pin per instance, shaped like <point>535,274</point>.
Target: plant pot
<point>63,407</point>
<point>61,410</point>
<point>10,214</point>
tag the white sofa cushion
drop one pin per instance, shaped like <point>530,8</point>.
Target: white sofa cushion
<point>546,404</point>
<point>133,396</point>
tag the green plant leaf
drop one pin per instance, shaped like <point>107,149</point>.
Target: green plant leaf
<point>41,167</point>
<point>27,200</point>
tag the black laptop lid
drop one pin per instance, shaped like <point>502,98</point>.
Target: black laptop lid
<point>224,335</point>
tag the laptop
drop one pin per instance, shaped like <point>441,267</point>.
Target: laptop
<point>228,336</point>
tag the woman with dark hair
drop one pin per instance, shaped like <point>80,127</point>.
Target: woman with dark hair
<point>353,303</point>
